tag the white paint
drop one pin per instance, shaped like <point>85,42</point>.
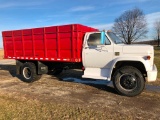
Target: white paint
<point>152,74</point>
<point>96,73</point>
<point>97,60</point>
<point>100,60</point>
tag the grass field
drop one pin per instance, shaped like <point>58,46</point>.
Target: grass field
<point>11,108</point>
<point>27,106</point>
<point>1,54</point>
<point>157,59</point>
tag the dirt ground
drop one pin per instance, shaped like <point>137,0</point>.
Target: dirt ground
<point>70,89</point>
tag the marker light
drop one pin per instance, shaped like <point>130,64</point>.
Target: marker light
<point>148,57</point>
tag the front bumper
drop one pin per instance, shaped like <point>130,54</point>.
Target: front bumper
<point>152,74</point>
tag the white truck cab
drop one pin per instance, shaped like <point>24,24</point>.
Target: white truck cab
<point>128,66</point>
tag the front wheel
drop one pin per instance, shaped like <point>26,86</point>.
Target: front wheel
<point>128,81</point>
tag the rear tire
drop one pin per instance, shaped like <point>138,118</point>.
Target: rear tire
<point>29,72</point>
<point>128,81</point>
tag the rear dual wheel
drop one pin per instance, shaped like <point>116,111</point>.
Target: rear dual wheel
<point>29,72</point>
<point>128,81</point>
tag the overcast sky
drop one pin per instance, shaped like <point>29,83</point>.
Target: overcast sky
<point>19,14</point>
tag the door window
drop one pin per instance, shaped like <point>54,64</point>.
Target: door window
<point>95,39</point>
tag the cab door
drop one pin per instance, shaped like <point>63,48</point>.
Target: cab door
<point>95,54</point>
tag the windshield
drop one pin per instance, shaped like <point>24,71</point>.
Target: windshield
<point>114,38</point>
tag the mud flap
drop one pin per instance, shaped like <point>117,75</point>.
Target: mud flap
<point>18,67</point>
<point>42,68</point>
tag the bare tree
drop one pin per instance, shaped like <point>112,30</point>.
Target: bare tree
<point>131,25</point>
<point>157,30</point>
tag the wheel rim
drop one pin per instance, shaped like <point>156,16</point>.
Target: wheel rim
<point>27,73</point>
<point>128,82</point>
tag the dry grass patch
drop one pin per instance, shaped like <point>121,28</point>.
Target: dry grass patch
<point>42,101</point>
<point>35,110</point>
<point>1,54</point>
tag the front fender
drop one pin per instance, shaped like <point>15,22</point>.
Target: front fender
<point>131,59</point>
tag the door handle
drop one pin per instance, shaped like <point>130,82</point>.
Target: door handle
<point>104,49</point>
<point>99,49</point>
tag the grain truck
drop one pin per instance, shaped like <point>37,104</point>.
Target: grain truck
<point>102,55</point>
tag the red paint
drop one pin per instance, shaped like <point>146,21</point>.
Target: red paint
<point>55,43</point>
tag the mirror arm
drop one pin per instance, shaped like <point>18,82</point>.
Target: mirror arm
<point>102,37</point>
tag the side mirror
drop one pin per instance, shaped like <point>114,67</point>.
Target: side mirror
<point>102,37</point>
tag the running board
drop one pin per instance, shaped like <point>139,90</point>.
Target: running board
<point>97,73</point>
<point>95,77</point>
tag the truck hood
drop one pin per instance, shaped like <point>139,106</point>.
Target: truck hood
<point>138,49</point>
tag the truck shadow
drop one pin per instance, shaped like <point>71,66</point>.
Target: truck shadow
<point>75,77</point>
<point>99,84</point>
<point>10,68</point>
<point>66,77</point>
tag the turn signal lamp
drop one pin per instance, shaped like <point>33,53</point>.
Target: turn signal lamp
<point>148,57</point>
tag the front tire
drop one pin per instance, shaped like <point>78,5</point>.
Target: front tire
<point>29,72</point>
<point>128,81</point>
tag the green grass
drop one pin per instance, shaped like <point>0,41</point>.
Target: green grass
<point>157,59</point>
